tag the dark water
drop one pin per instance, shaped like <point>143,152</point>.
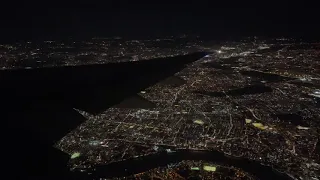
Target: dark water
<point>252,89</point>
<point>133,166</point>
<point>92,88</point>
<point>37,106</point>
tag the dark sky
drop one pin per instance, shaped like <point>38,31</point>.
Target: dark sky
<point>141,18</point>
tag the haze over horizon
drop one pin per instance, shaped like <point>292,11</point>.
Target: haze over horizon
<point>216,20</point>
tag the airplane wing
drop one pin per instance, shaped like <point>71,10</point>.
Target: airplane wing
<point>38,106</point>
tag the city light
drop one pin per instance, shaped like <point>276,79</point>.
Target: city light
<point>257,101</point>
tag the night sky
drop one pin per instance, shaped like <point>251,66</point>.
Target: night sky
<point>33,20</point>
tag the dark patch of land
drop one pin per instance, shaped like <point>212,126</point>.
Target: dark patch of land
<point>37,107</point>
<point>252,89</point>
<point>271,49</point>
<point>223,64</point>
<point>217,65</point>
<point>229,60</point>
<point>173,81</point>
<point>247,90</point>
<point>135,101</point>
<point>265,76</point>
<point>305,84</point>
<point>318,102</point>
<point>212,94</point>
<point>304,47</point>
<point>291,118</point>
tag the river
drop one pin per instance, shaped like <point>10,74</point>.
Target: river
<point>145,163</point>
